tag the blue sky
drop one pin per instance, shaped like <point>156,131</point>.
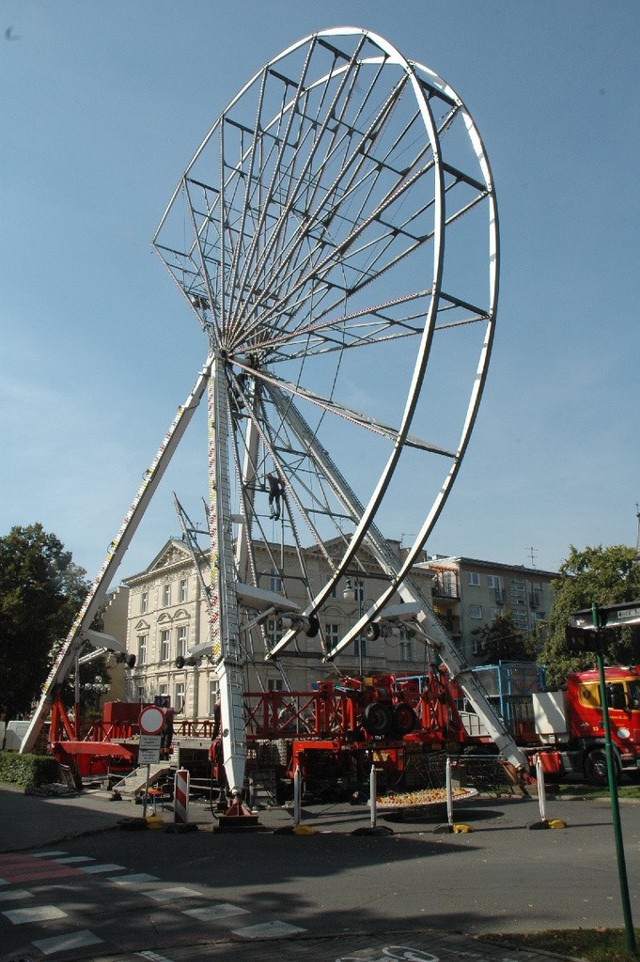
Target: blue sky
<point>103,106</point>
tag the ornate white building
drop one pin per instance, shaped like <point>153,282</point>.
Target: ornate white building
<point>168,617</point>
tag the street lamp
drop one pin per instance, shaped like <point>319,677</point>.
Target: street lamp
<point>350,595</point>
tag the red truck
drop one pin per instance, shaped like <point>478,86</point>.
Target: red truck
<point>565,724</point>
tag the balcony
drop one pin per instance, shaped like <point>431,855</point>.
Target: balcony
<point>445,589</point>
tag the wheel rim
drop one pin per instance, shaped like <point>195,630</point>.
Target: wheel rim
<point>318,206</point>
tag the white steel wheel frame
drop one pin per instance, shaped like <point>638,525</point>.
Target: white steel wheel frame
<point>308,235</point>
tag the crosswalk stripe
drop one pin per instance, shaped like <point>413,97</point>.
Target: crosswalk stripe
<point>70,940</point>
<point>73,859</point>
<point>39,913</point>
<point>172,893</point>
<point>213,913</point>
<point>14,895</point>
<point>135,879</point>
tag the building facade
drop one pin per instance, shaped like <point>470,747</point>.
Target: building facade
<point>168,617</point>
<point>469,593</point>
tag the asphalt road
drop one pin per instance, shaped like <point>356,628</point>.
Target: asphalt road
<point>326,894</point>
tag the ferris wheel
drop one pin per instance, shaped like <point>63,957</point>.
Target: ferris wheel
<point>308,234</point>
<point>346,354</point>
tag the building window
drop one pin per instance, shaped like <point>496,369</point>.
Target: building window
<point>495,582</point>
<point>181,646</point>
<point>144,602</point>
<point>275,684</point>
<point>516,588</point>
<point>474,578</point>
<point>140,694</point>
<point>271,632</point>
<point>165,637</point>
<point>478,646</point>
<point>214,697</point>
<point>333,593</point>
<point>142,649</point>
<point>163,689</point>
<point>183,589</point>
<point>475,612</point>
<point>520,619</point>
<point>178,695</point>
<point>166,595</point>
<point>332,635</point>
<point>276,581</point>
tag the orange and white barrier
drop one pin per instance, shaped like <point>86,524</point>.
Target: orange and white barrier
<point>181,797</point>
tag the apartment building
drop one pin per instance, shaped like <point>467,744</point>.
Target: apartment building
<point>168,617</point>
<point>468,593</point>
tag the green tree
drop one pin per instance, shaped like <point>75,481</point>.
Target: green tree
<point>41,591</point>
<point>502,640</point>
<point>606,576</point>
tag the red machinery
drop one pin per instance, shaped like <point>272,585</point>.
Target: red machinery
<point>104,746</point>
<point>331,733</point>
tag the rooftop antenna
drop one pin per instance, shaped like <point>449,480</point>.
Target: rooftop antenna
<point>532,556</point>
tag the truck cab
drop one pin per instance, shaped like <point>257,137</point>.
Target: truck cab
<point>586,726</point>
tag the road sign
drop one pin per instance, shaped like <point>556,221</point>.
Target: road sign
<point>608,616</point>
<point>151,720</point>
<point>149,749</point>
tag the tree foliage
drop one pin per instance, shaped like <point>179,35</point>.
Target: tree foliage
<point>41,591</point>
<point>502,640</point>
<point>606,576</point>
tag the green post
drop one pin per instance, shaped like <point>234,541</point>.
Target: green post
<point>613,791</point>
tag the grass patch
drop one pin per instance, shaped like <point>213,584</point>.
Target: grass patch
<point>592,791</point>
<point>594,945</point>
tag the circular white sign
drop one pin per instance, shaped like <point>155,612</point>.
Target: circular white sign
<point>151,720</point>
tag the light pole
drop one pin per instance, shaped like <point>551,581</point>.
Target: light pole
<point>349,595</point>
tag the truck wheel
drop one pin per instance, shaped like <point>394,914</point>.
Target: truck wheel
<point>595,767</point>
<point>377,719</point>
<point>404,719</point>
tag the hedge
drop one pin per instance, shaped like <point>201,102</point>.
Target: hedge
<point>28,770</point>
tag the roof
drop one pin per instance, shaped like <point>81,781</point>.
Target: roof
<point>463,562</point>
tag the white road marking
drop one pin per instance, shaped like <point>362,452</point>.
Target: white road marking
<point>62,943</point>
<point>73,860</point>
<point>168,894</point>
<point>213,913</point>
<point>14,894</point>
<point>135,879</point>
<point>40,913</point>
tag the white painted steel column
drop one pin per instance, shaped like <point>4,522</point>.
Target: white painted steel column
<point>224,605</point>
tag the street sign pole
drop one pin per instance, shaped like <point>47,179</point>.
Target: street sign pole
<point>146,792</point>
<point>613,787</point>
<point>151,722</point>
